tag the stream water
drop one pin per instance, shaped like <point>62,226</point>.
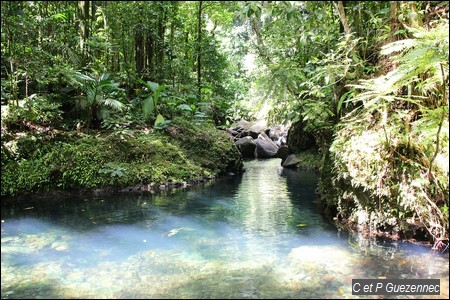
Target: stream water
<point>256,235</point>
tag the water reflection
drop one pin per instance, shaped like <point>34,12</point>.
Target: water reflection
<point>262,201</point>
<point>258,235</point>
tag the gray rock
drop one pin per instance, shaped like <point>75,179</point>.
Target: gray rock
<point>253,134</point>
<point>274,134</point>
<point>256,129</point>
<point>233,132</point>
<point>264,136</point>
<point>291,161</point>
<point>283,152</point>
<point>242,125</point>
<point>245,128</point>
<point>281,141</point>
<point>299,140</point>
<point>246,146</point>
<point>265,149</point>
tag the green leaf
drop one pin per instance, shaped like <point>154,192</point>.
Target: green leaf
<point>341,100</point>
<point>113,103</point>
<point>152,85</point>
<point>84,77</point>
<point>148,107</point>
<point>258,12</point>
<point>184,107</point>
<point>159,119</point>
<point>59,17</point>
<point>191,97</point>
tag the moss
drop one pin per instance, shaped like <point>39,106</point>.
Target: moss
<point>382,184</point>
<point>211,148</point>
<point>184,153</point>
<point>310,159</point>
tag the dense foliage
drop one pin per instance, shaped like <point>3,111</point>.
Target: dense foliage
<point>367,79</point>
<point>100,61</point>
<point>40,161</point>
<point>395,145</point>
<point>370,81</point>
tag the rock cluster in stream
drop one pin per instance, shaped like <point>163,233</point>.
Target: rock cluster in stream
<point>256,140</point>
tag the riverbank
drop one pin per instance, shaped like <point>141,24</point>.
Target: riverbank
<point>250,236</point>
<point>332,197</point>
<point>389,187</point>
<point>182,154</point>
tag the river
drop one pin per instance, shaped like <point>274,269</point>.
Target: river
<point>255,235</point>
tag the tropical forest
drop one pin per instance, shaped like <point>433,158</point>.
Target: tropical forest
<point>224,149</point>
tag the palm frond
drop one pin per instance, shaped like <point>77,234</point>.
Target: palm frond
<point>116,104</point>
<point>81,76</point>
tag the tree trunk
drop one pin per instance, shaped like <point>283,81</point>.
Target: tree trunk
<point>150,50</point>
<point>160,44</point>
<point>394,23</point>
<point>84,24</point>
<point>340,7</point>
<point>139,53</point>
<point>186,40</point>
<point>199,41</point>
<point>172,47</point>
<point>124,51</point>
<point>413,16</point>
<point>108,56</point>
<point>259,41</point>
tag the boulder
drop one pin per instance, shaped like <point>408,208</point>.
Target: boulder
<point>233,132</point>
<point>256,129</point>
<point>253,134</point>
<point>264,136</point>
<point>245,128</point>
<point>274,133</point>
<point>282,140</point>
<point>242,125</point>
<point>283,152</point>
<point>298,140</point>
<point>246,146</point>
<point>265,149</point>
<point>291,161</point>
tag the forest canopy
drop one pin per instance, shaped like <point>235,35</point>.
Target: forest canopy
<point>368,80</point>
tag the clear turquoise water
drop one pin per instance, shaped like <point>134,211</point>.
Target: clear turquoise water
<point>259,235</point>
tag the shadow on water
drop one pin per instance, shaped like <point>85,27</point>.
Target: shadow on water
<point>83,212</point>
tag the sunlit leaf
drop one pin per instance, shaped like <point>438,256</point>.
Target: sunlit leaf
<point>159,119</point>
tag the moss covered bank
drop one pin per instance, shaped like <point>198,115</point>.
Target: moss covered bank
<point>38,161</point>
<point>396,188</point>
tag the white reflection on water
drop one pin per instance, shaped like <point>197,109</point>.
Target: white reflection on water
<point>261,237</point>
